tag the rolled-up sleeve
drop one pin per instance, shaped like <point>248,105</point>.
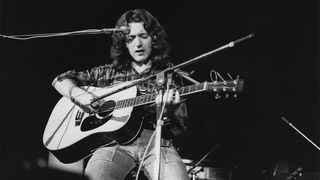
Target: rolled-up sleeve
<point>88,77</point>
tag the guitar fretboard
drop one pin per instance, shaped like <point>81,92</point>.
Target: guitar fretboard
<point>149,98</point>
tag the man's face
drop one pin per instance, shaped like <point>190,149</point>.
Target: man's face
<point>139,43</point>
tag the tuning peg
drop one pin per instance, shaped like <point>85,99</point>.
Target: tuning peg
<point>220,76</point>
<point>224,88</point>
<point>217,96</point>
<point>230,76</point>
<point>235,95</point>
<point>227,95</point>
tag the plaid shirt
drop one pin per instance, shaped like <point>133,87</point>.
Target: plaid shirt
<point>106,75</point>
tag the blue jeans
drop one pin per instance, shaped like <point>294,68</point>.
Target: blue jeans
<point>115,162</point>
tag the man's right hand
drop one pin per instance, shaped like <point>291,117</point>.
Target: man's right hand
<point>79,96</point>
<point>83,99</point>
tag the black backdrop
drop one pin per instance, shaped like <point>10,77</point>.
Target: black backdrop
<point>280,66</point>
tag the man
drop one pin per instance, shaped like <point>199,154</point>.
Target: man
<point>135,55</point>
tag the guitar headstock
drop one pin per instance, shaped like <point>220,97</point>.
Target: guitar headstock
<point>226,86</point>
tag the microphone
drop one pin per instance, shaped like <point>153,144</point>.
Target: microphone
<point>122,29</point>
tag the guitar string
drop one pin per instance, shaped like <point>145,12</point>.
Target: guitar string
<point>134,99</point>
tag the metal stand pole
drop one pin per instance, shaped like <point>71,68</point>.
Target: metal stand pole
<point>160,110</point>
<point>203,158</point>
<point>157,148</point>
<point>290,124</point>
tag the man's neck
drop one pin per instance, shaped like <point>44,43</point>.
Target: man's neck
<point>141,67</point>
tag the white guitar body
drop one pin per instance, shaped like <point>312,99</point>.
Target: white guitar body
<point>69,124</point>
<point>72,134</point>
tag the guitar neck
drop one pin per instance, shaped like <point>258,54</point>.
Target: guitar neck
<point>150,98</point>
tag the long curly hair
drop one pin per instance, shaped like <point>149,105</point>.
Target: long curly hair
<point>160,47</point>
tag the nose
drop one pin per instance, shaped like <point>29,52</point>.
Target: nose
<point>138,42</point>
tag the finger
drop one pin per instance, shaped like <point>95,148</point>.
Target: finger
<point>91,108</point>
<point>177,97</point>
<point>170,96</point>
<point>95,104</point>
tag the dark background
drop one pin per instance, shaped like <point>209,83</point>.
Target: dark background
<point>280,66</point>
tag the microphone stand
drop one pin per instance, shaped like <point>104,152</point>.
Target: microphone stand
<point>160,76</point>
<point>160,80</point>
<point>304,136</point>
<point>177,67</point>
<point>202,159</point>
<point>160,110</point>
<point>194,173</point>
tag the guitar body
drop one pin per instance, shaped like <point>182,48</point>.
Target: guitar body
<point>72,134</point>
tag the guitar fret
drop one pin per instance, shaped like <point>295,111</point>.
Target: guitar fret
<point>196,87</point>
<point>153,97</point>
<point>126,103</point>
<point>136,100</point>
<point>122,104</point>
<point>183,90</point>
<point>149,97</point>
<point>200,86</point>
<point>118,105</point>
<point>131,101</point>
<point>193,88</point>
<point>141,100</point>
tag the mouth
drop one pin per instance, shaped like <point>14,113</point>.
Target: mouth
<point>139,51</point>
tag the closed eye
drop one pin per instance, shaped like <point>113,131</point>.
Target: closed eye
<point>130,38</point>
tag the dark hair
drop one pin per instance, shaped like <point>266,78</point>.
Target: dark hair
<point>160,47</point>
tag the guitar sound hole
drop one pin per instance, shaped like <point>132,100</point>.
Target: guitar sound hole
<point>104,114</point>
